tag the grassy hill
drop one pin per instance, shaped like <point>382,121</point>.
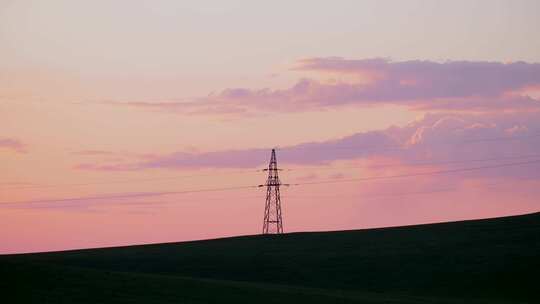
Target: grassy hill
<point>482,261</point>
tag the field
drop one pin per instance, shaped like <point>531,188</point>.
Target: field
<point>481,261</point>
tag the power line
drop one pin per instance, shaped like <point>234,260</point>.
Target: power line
<point>442,162</point>
<point>128,195</point>
<point>132,180</point>
<point>147,194</point>
<point>382,195</point>
<point>440,190</point>
<point>306,146</point>
<point>416,174</point>
<point>414,163</point>
<point>401,194</point>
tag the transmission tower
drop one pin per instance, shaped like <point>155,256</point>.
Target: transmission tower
<point>273,222</point>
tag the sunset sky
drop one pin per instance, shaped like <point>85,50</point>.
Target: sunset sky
<point>385,113</point>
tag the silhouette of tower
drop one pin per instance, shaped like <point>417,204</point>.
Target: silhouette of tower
<point>273,222</point>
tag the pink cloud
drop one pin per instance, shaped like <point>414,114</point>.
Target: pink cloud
<point>336,176</point>
<point>110,160</point>
<point>413,80</point>
<point>452,85</point>
<point>93,153</point>
<point>308,177</point>
<point>12,144</point>
<point>482,104</point>
<point>439,140</point>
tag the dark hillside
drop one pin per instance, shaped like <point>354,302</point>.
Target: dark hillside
<point>483,260</point>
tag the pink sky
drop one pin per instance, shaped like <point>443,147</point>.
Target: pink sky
<point>108,114</point>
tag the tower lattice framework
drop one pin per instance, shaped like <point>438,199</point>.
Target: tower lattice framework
<point>273,222</point>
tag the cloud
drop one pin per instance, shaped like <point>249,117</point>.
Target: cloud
<point>439,140</point>
<point>93,153</point>
<point>308,177</point>
<point>358,145</point>
<point>412,80</point>
<point>453,85</point>
<point>12,144</point>
<point>482,104</point>
<point>109,159</point>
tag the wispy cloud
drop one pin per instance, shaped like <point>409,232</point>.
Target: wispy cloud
<point>453,85</point>
<point>93,153</point>
<point>109,160</point>
<point>12,144</point>
<point>436,137</point>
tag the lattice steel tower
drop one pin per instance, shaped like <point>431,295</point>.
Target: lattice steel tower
<point>273,222</point>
